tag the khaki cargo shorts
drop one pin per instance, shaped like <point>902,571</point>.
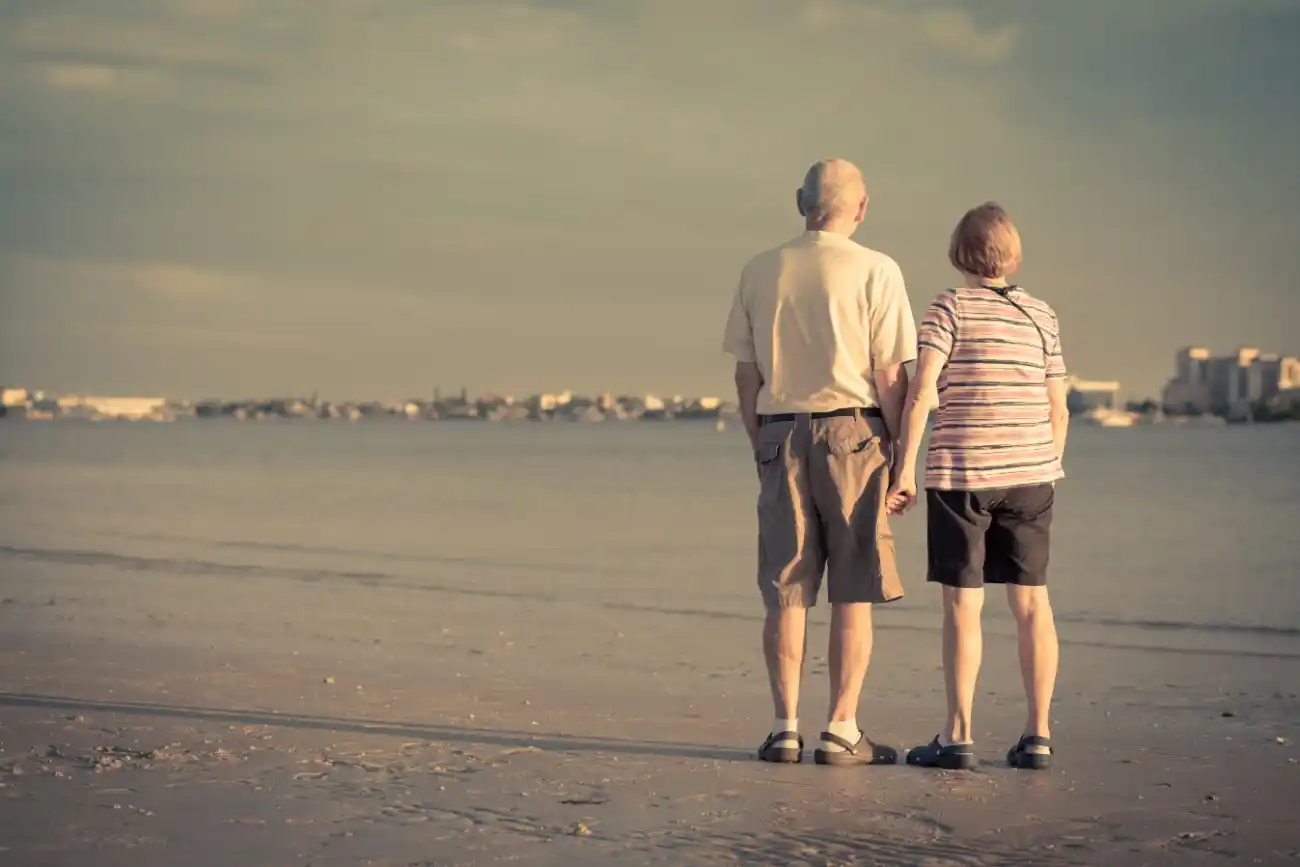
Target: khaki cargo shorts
<point>821,510</point>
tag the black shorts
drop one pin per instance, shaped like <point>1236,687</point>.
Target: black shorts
<point>996,536</point>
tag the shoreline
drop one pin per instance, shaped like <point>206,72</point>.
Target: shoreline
<point>1192,422</point>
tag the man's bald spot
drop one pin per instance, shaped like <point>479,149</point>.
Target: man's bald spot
<point>831,188</point>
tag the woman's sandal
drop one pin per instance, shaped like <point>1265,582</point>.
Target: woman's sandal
<point>1031,752</point>
<point>953,757</point>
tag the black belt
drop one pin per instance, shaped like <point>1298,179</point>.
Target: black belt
<point>867,411</point>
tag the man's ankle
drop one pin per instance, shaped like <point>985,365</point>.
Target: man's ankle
<point>847,730</point>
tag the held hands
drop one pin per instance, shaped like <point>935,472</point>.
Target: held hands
<point>902,492</point>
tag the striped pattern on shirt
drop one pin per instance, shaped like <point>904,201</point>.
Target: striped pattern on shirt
<point>993,428</point>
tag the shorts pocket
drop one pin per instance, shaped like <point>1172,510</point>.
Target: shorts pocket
<point>771,438</point>
<point>850,437</point>
<point>1031,502</point>
<point>1044,499</point>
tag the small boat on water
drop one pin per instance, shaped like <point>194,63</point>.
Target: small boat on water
<point>1102,417</point>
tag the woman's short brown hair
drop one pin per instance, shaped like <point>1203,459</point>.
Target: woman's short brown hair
<point>985,243</point>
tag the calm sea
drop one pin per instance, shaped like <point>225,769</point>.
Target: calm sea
<point>1165,537</point>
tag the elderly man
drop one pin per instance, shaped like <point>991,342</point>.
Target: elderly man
<point>821,330</point>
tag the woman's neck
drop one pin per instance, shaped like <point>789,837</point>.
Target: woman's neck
<point>975,282</point>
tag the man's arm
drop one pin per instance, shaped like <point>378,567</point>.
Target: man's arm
<point>891,389</point>
<point>893,343</point>
<point>1060,413</point>
<point>749,381</point>
<point>738,341</point>
<point>922,396</point>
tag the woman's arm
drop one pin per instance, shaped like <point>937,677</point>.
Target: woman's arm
<point>922,396</point>
<point>1057,394</point>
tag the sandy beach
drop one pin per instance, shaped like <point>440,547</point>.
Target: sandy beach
<point>473,729</point>
<point>281,646</point>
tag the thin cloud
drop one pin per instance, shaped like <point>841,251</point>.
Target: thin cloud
<point>214,10</point>
<point>166,45</point>
<point>183,282</point>
<point>952,29</point>
<point>955,30</point>
<point>77,76</point>
<point>169,280</point>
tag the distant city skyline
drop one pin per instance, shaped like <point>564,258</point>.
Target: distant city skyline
<point>218,197</point>
<point>438,391</point>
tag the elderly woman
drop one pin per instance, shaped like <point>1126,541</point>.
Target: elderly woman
<point>990,357</point>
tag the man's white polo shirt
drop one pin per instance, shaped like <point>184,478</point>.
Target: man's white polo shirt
<point>819,314</point>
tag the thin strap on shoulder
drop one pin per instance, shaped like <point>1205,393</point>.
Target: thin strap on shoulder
<point>1004,292</point>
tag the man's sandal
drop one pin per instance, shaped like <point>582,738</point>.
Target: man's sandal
<point>864,752</point>
<point>777,748</point>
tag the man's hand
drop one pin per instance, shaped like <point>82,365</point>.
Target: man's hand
<point>902,493</point>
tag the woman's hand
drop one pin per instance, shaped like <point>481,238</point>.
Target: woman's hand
<point>902,493</point>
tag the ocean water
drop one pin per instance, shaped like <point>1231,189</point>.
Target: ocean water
<point>1165,538</point>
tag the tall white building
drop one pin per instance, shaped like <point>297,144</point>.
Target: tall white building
<point>1228,383</point>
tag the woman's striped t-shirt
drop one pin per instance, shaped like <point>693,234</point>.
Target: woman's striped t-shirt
<point>993,428</point>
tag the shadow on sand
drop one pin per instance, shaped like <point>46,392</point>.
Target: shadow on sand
<point>416,731</point>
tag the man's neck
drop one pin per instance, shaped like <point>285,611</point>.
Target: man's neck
<point>846,228</point>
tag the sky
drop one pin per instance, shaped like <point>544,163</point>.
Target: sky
<point>374,198</point>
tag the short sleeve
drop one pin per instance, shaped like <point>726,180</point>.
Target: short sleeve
<point>738,337</point>
<point>893,330</point>
<point>1056,358</point>
<point>939,328</point>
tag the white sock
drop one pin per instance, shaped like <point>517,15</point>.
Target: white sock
<point>786,725</point>
<point>945,742</point>
<point>847,729</point>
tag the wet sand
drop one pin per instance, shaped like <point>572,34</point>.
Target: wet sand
<point>246,721</point>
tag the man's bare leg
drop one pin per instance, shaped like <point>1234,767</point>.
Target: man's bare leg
<point>784,642</point>
<point>850,655</point>
<point>1039,653</point>
<point>963,647</point>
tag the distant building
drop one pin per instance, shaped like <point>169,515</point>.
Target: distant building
<point>14,397</point>
<point>1228,384</point>
<point>130,408</point>
<point>1192,364</point>
<point>1270,375</point>
<point>542,406</point>
<point>1085,396</point>
<point>494,405</point>
<point>1288,398</point>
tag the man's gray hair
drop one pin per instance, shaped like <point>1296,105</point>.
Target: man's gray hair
<point>832,187</point>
